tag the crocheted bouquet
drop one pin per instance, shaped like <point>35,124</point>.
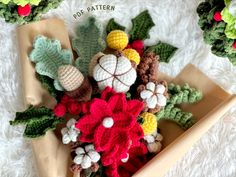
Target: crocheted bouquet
<point>217,20</point>
<point>110,96</point>
<point>24,11</point>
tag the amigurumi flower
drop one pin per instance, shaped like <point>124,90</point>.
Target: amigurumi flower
<point>70,133</point>
<point>154,96</point>
<point>154,142</point>
<point>86,156</point>
<point>115,72</point>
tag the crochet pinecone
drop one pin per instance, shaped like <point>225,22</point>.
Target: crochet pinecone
<point>73,81</point>
<point>147,70</point>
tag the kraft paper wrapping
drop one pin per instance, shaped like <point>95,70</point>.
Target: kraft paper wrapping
<point>52,156</point>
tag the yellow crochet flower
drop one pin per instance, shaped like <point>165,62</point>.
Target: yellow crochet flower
<point>117,40</point>
<point>132,55</point>
<point>149,124</point>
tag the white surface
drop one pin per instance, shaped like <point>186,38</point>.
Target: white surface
<point>176,22</point>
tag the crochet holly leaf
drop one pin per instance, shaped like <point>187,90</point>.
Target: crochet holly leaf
<point>5,1</point>
<point>88,42</point>
<point>164,50</point>
<point>141,26</point>
<point>112,25</point>
<point>49,56</point>
<point>24,2</point>
<point>37,120</point>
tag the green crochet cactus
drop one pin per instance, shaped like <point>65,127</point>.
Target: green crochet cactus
<point>88,42</point>
<point>215,33</point>
<point>164,50</point>
<point>179,95</point>
<point>49,56</point>
<point>37,120</point>
<point>112,25</point>
<point>8,10</point>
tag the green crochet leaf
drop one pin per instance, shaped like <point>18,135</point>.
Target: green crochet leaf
<point>172,113</point>
<point>5,1</point>
<point>49,56</point>
<point>9,11</point>
<point>184,94</point>
<point>112,25</point>
<point>164,50</point>
<point>24,2</point>
<point>88,42</point>
<point>141,26</point>
<point>37,120</point>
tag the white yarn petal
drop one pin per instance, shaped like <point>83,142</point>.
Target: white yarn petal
<point>151,86</point>
<point>70,123</point>
<point>79,151</point>
<point>108,66</point>
<point>73,136</point>
<point>86,162</point>
<point>64,130</point>
<point>152,102</point>
<point>123,65</point>
<point>146,94</point>
<point>66,139</point>
<point>149,138</point>
<point>78,159</point>
<point>94,156</point>
<point>160,89</point>
<point>161,100</point>
<point>89,147</point>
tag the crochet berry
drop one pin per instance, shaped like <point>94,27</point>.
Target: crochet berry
<point>217,16</point>
<point>59,110</point>
<point>24,10</point>
<point>117,40</point>
<point>132,55</point>
<point>137,44</point>
<point>234,45</point>
<point>74,108</point>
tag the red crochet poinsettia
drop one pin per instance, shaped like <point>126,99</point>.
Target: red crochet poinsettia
<point>110,123</point>
<point>135,160</point>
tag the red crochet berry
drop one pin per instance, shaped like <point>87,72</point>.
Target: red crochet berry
<point>234,45</point>
<point>138,44</point>
<point>128,46</point>
<point>24,10</point>
<point>59,110</point>
<point>74,108</point>
<point>217,16</point>
<point>140,51</point>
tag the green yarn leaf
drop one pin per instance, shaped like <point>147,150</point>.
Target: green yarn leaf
<point>88,42</point>
<point>37,120</point>
<point>112,25</point>
<point>9,11</point>
<point>141,26</point>
<point>164,50</point>
<point>24,2</point>
<point>5,1</point>
<point>49,56</point>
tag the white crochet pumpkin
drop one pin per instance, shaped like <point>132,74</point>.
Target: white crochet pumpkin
<point>114,72</point>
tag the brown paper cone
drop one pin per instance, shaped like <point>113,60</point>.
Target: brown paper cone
<point>52,157</point>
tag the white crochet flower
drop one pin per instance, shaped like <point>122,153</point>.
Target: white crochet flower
<point>86,156</point>
<point>154,142</point>
<point>70,133</point>
<point>153,95</point>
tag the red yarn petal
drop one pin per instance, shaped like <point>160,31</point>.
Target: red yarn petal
<point>123,121</point>
<point>136,134</point>
<point>100,109</point>
<point>86,138</point>
<point>107,93</point>
<point>102,138</point>
<point>108,157</point>
<point>87,124</point>
<point>135,107</point>
<point>117,102</point>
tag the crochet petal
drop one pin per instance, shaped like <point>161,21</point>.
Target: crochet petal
<point>151,86</point>
<point>117,102</point>
<point>79,151</point>
<point>99,109</point>
<point>102,138</point>
<point>161,100</point>
<point>123,121</point>
<point>152,102</point>
<point>107,93</point>
<point>86,162</point>
<point>87,124</point>
<point>94,156</point>
<point>160,89</point>
<point>108,157</point>
<point>86,138</point>
<point>146,94</point>
<point>78,159</point>
<point>134,107</point>
<point>136,133</point>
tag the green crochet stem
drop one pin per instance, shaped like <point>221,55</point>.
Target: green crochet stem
<point>180,95</point>
<point>214,32</point>
<point>10,14</point>
<point>37,120</point>
<point>184,94</point>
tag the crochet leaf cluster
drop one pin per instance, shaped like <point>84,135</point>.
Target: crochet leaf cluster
<point>179,95</point>
<point>113,25</point>
<point>215,32</point>
<point>164,50</point>
<point>49,56</point>
<point>141,26</point>
<point>88,42</point>
<point>37,120</point>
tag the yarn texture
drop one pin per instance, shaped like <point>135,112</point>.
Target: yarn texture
<point>69,133</point>
<point>113,25</point>
<point>149,123</point>
<point>117,39</point>
<point>132,55</point>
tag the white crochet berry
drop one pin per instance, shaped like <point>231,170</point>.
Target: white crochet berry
<point>70,133</point>
<point>114,72</point>
<point>153,95</point>
<point>86,156</point>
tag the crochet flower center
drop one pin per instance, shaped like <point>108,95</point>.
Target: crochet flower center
<point>108,122</point>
